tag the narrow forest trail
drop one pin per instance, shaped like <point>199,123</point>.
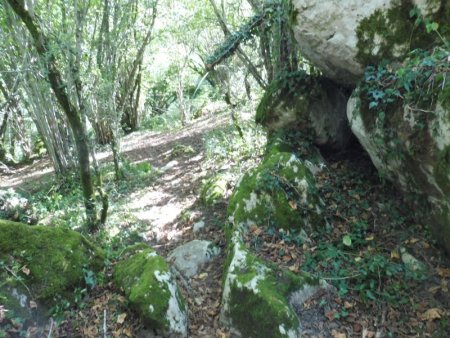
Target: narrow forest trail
<point>166,210</point>
<point>171,207</point>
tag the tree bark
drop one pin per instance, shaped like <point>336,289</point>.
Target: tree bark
<point>59,88</point>
<point>241,54</point>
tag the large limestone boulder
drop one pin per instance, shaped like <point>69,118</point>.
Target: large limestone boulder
<point>280,192</point>
<point>189,258</point>
<point>341,37</point>
<point>152,291</point>
<point>42,264</point>
<point>405,128</point>
<point>310,105</point>
<point>259,299</point>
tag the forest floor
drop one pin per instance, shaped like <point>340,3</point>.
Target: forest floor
<point>360,253</point>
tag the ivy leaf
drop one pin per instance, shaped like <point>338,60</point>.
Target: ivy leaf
<point>377,94</point>
<point>373,104</point>
<point>432,27</point>
<point>347,240</point>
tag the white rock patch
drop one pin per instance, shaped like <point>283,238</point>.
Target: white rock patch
<point>251,203</point>
<point>176,316</point>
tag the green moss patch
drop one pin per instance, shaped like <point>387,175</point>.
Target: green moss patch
<point>391,34</point>
<point>286,98</point>
<point>55,258</point>
<point>405,127</point>
<point>280,192</point>
<point>255,290</point>
<point>152,292</point>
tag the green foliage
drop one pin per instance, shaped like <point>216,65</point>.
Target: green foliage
<point>213,189</point>
<point>232,42</point>
<point>224,144</point>
<point>417,84</point>
<point>171,120</point>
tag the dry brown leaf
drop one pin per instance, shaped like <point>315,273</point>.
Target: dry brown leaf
<point>434,289</point>
<point>368,334</point>
<point>91,331</point>
<point>294,268</point>
<point>121,318</point>
<point>348,305</point>
<point>202,276</point>
<point>221,334</point>
<point>127,331</point>
<point>395,254</point>
<point>25,270</point>
<point>443,272</point>
<point>331,315</point>
<point>432,314</point>
<point>293,205</point>
<point>336,334</point>
<point>33,304</point>
<point>426,245</point>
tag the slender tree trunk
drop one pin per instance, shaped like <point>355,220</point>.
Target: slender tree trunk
<point>59,88</point>
<point>241,54</point>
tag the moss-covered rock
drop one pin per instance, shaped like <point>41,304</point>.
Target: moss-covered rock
<point>55,257</point>
<point>214,189</point>
<point>279,192</point>
<point>391,33</point>
<point>152,291</point>
<point>342,37</point>
<point>255,291</point>
<point>42,263</point>
<point>408,136</point>
<point>312,106</point>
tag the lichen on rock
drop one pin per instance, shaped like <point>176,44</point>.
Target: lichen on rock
<point>255,290</point>
<point>311,105</point>
<point>405,128</point>
<point>280,192</point>
<point>152,291</point>
<point>341,37</point>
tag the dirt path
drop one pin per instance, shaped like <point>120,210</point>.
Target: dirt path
<point>168,209</point>
<point>171,207</point>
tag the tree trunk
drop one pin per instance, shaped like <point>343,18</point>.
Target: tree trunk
<point>59,88</point>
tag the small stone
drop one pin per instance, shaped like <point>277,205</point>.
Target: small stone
<point>168,166</point>
<point>199,226</point>
<point>189,257</point>
<point>411,262</point>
